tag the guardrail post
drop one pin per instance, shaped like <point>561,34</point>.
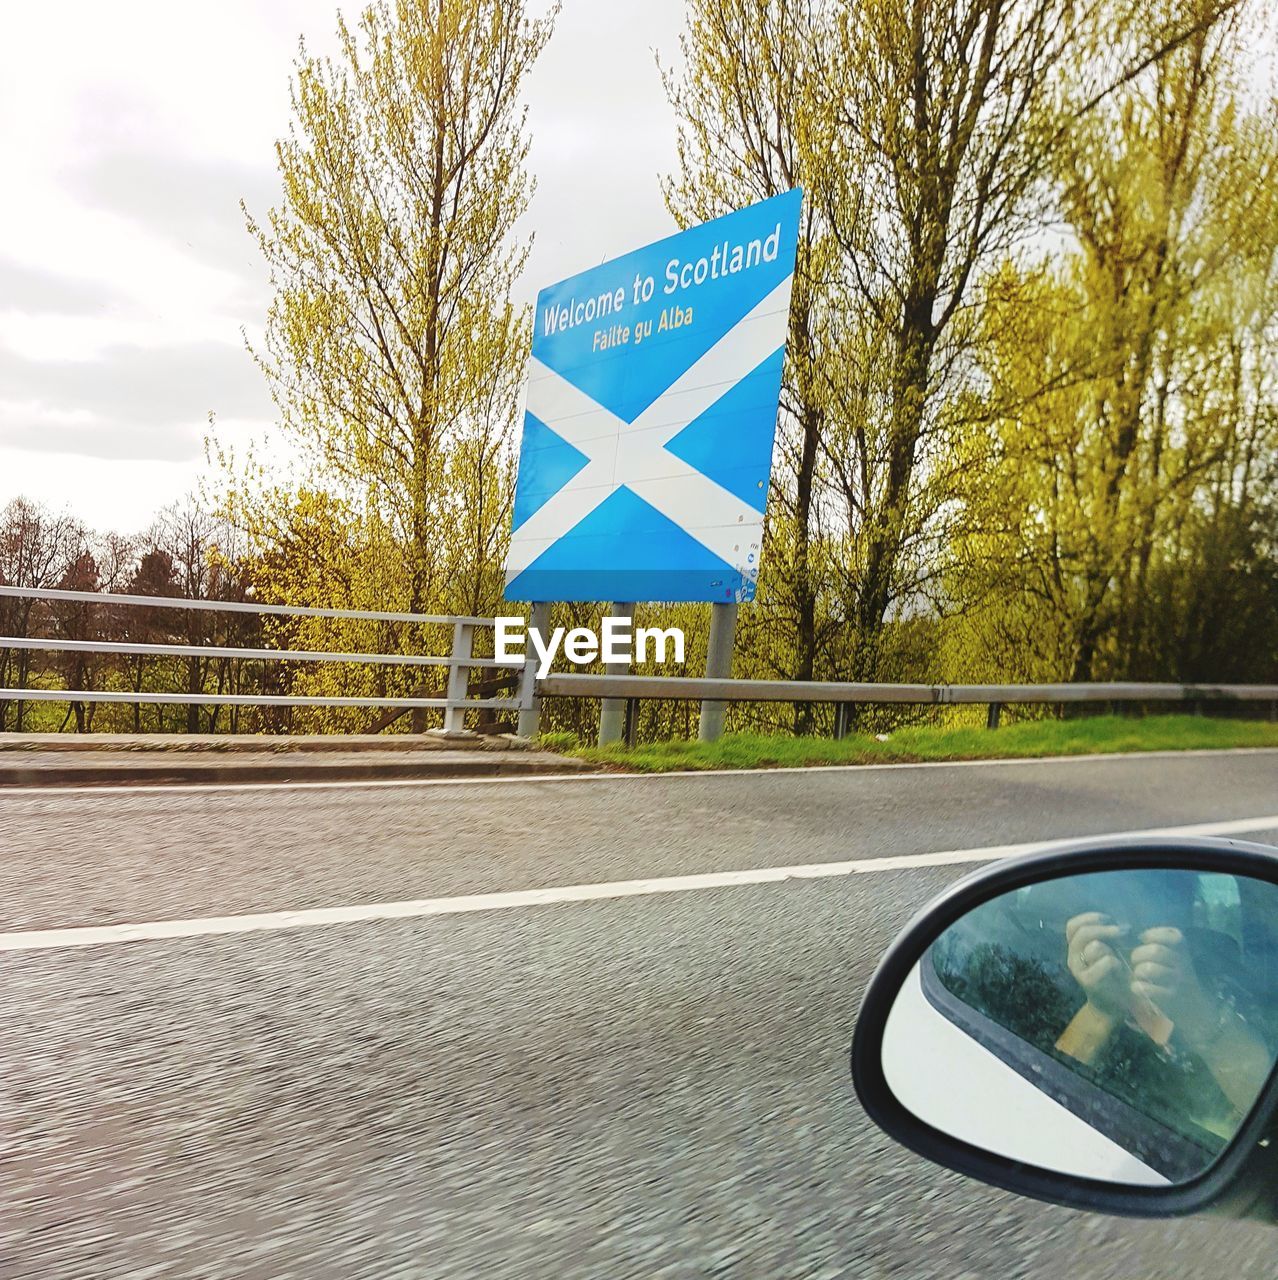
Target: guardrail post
<point>723,630</point>
<point>612,711</point>
<point>993,715</point>
<point>458,676</point>
<point>529,702</point>
<point>632,721</point>
<point>842,714</point>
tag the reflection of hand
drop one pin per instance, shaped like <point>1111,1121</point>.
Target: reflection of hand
<point>1095,965</point>
<point>1163,972</point>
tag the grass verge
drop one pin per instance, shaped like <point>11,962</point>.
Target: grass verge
<point>1100,734</point>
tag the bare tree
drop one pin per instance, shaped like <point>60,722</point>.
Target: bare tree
<point>36,547</point>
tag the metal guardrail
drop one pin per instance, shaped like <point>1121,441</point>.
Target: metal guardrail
<point>455,703</point>
<point>694,688</point>
<point>235,606</point>
<point>223,651</point>
<point>243,699</point>
<point>843,695</point>
<point>627,688</point>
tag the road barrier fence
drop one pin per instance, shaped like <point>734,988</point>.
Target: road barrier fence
<point>524,693</point>
<point>459,662</point>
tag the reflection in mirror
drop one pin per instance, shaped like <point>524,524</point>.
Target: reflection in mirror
<point>1118,1025</point>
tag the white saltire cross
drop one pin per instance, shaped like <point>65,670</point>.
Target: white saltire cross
<point>634,454</point>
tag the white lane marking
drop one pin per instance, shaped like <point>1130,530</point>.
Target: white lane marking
<point>316,917</point>
<point>103,790</point>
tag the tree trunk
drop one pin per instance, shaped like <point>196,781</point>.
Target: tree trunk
<point>909,397</point>
<point>804,589</point>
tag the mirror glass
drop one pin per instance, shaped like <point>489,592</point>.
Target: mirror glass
<point>1118,1025</point>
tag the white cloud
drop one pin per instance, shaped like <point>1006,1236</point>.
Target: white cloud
<point>122,496</point>
<point>32,291</point>
<point>129,403</point>
<point>188,202</point>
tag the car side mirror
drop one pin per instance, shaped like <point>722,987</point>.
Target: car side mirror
<point>1096,1026</point>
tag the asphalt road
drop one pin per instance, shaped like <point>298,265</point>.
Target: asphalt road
<point>637,1087</point>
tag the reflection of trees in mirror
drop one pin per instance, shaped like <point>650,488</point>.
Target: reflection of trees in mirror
<point>1172,1085</point>
<point>1035,997</point>
<point>1018,992</point>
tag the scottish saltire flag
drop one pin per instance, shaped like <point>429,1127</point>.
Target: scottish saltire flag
<point>651,411</point>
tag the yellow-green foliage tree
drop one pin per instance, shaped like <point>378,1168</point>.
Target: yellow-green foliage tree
<point>933,127</point>
<point>927,136</point>
<point>392,347</point>
<point>738,105</point>
<point>1126,511</point>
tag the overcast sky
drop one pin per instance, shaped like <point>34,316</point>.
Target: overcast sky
<point>129,132</point>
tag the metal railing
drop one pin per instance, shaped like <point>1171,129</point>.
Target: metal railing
<point>632,689</point>
<point>458,662</point>
<point>527,693</point>
<point>231,606</point>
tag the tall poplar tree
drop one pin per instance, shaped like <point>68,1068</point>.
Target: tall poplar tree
<point>937,123</point>
<point>737,100</point>
<point>392,347</point>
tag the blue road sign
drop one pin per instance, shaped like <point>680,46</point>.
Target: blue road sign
<point>651,411</point>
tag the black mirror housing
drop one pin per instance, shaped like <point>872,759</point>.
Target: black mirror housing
<point>1241,1182</point>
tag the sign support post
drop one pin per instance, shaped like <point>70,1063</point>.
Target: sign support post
<point>612,711</point>
<point>530,716</point>
<point>723,631</point>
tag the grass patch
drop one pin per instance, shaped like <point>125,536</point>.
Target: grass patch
<point>1096,735</point>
